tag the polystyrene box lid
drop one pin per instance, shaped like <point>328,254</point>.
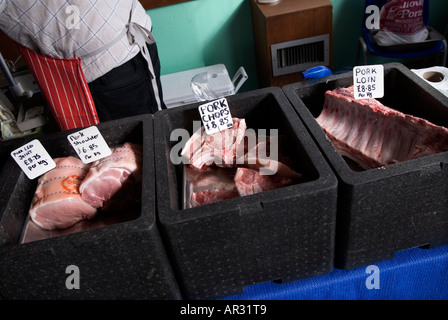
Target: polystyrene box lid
<point>177,90</point>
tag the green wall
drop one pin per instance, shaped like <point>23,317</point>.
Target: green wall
<point>199,33</point>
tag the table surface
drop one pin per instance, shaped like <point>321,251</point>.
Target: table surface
<point>413,274</point>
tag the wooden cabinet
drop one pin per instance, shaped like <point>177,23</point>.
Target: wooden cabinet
<point>291,36</point>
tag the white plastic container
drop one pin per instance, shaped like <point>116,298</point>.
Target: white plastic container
<point>436,76</point>
<point>177,89</point>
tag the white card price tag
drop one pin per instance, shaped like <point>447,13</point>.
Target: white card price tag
<point>216,116</point>
<point>368,81</point>
<point>89,144</point>
<point>33,159</point>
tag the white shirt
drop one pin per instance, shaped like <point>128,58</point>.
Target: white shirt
<point>73,28</point>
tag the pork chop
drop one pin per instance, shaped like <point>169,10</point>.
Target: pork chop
<point>220,148</point>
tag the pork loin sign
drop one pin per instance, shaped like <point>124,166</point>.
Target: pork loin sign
<point>368,81</point>
<point>215,116</point>
<point>89,144</point>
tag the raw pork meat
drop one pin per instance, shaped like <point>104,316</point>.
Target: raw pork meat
<point>216,184</point>
<point>374,135</point>
<point>253,175</point>
<point>57,202</point>
<point>222,165</point>
<point>203,150</point>
<point>116,177</point>
<point>260,158</point>
<point>250,181</point>
<point>209,185</point>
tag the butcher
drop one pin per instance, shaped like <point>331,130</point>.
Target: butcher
<point>93,60</point>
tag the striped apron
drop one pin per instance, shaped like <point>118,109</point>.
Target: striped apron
<point>64,86</point>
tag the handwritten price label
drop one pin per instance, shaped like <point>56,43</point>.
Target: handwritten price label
<point>368,81</point>
<point>33,159</point>
<point>216,116</point>
<point>89,144</point>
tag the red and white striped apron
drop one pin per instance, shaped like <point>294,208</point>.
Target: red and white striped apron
<point>64,86</point>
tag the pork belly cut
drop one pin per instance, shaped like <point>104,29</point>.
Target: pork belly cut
<point>203,150</point>
<point>57,202</point>
<point>374,135</point>
<point>114,179</point>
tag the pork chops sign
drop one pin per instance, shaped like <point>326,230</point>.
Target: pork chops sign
<point>216,116</point>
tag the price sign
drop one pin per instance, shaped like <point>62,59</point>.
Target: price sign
<point>216,116</point>
<point>33,159</point>
<point>89,144</point>
<point>368,81</point>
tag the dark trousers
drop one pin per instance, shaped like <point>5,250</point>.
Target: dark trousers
<point>127,90</point>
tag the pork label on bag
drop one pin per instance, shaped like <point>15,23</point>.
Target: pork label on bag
<point>114,179</point>
<point>57,202</point>
<point>401,21</point>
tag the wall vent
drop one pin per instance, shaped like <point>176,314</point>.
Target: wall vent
<point>299,55</point>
